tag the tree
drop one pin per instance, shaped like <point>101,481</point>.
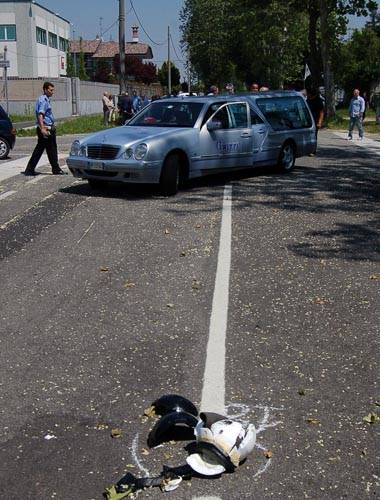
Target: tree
<point>82,68</point>
<point>141,72</point>
<point>103,71</point>
<point>360,61</point>
<point>70,70</point>
<point>174,73</point>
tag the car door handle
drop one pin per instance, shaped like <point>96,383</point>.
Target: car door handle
<point>261,131</point>
<point>245,134</point>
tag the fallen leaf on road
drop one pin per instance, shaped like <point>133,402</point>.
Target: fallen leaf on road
<point>183,254</point>
<point>320,300</point>
<point>268,454</point>
<point>196,285</point>
<point>301,392</point>
<point>198,226</point>
<point>144,451</point>
<point>101,427</point>
<point>375,277</point>
<point>49,436</point>
<point>129,284</point>
<point>371,418</point>
<point>116,433</point>
<point>170,306</point>
<point>104,269</point>
<point>150,412</point>
<point>313,421</point>
<point>167,231</point>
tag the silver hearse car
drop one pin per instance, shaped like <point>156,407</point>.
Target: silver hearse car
<point>175,139</point>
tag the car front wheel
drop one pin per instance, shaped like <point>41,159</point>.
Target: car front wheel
<point>170,176</point>
<point>287,157</point>
<point>4,148</point>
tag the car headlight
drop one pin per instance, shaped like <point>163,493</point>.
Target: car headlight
<point>140,151</point>
<point>75,148</point>
<point>128,153</point>
<point>82,151</point>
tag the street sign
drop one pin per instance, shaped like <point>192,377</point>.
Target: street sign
<point>4,64</point>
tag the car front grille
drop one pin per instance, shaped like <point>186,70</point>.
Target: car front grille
<point>102,151</point>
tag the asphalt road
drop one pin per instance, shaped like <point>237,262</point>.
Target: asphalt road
<point>106,301</point>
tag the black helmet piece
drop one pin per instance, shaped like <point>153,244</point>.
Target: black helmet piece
<point>173,402</point>
<point>175,423</point>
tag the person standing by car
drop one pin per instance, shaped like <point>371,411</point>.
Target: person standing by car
<point>356,112</point>
<point>46,133</point>
<point>107,108</point>
<point>316,106</point>
<point>124,105</point>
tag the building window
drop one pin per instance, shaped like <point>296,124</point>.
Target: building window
<point>63,44</point>
<point>41,36</point>
<point>53,40</point>
<point>7,32</point>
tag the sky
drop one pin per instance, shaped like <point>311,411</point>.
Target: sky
<point>155,17</point>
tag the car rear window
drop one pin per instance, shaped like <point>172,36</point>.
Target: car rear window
<point>284,113</point>
<point>168,114</point>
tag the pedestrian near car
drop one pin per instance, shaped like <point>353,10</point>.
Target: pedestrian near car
<point>124,105</point>
<point>107,108</point>
<point>214,90</point>
<point>46,133</point>
<point>316,106</point>
<point>136,102</point>
<point>112,116</point>
<point>356,112</point>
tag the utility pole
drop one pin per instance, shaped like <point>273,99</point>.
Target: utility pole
<point>122,85</point>
<point>75,54</point>
<point>189,76</point>
<point>169,66</point>
<point>6,79</point>
<point>101,28</point>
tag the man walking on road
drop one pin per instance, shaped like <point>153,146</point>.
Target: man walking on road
<point>356,112</point>
<point>46,133</point>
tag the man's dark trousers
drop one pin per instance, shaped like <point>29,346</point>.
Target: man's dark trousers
<point>50,144</point>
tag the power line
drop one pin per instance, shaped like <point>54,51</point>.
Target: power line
<point>142,26</point>
<point>171,40</point>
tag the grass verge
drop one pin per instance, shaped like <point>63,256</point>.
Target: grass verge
<point>78,125</point>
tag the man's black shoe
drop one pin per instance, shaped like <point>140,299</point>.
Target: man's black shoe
<point>59,172</point>
<point>29,173</point>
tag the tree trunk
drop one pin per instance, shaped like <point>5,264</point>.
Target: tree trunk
<point>314,61</point>
<point>328,76</point>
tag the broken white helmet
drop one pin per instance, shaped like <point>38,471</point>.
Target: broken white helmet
<point>221,444</point>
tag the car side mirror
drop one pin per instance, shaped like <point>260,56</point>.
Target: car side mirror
<point>214,125</point>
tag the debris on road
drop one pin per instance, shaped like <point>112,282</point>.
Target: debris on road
<point>221,445</point>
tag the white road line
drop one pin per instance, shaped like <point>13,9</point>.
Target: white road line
<point>15,167</point>
<point>367,143</point>
<point>6,194</point>
<point>213,393</point>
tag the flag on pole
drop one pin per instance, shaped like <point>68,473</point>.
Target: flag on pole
<point>307,72</point>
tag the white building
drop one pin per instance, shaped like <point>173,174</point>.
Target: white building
<point>36,39</point>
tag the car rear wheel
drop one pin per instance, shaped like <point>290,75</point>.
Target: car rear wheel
<point>170,176</point>
<point>287,157</point>
<point>4,148</point>
<point>96,184</point>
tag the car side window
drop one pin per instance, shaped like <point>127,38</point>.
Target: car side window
<point>211,110</point>
<point>239,116</point>
<point>222,116</point>
<point>284,113</point>
<point>255,118</point>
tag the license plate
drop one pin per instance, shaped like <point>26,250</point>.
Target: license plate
<point>95,165</point>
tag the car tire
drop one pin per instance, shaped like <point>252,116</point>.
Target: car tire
<point>287,157</point>
<point>170,176</point>
<point>96,184</point>
<point>4,148</point>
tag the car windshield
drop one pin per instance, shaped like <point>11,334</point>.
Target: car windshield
<point>168,114</point>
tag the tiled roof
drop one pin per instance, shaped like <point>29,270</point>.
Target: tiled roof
<point>106,50</point>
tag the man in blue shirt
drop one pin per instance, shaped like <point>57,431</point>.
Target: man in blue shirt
<point>46,133</point>
<point>356,112</point>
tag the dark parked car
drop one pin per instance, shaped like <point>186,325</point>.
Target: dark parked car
<point>7,134</point>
